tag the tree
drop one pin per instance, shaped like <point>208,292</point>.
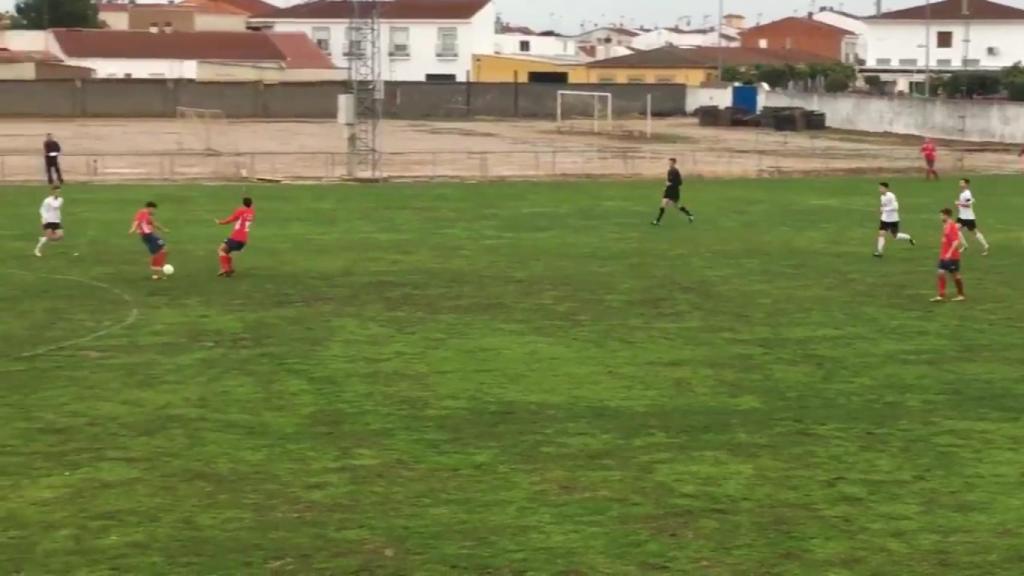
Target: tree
<point>44,14</point>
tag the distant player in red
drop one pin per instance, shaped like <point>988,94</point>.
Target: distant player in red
<point>949,258</point>
<point>928,152</point>
<point>147,227</point>
<point>242,219</point>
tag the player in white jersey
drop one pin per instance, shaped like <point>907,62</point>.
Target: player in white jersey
<point>49,212</point>
<point>890,219</point>
<point>966,218</point>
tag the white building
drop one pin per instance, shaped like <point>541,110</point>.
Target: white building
<point>847,21</point>
<point>431,40</point>
<point>686,38</point>
<point>523,41</point>
<point>607,42</point>
<point>945,36</point>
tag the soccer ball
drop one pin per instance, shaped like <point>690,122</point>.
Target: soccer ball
<point>168,269</point>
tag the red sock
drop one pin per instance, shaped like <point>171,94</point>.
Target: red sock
<point>225,262</point>
<point>959,286</point>
<point>942,286</point>
<point>160,259</point>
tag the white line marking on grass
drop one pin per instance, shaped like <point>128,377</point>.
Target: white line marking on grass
<point>132,316</point>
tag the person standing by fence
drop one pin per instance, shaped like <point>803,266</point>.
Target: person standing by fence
<point>51,149</point>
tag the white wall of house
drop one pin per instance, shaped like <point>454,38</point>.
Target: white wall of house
<point>605,37</point>
<point>687,38</point>
<point>115,20</point>
<point>972,44</point>
<point>410,49</point>
<point>857,44</point>
<point>535,45</point>
<point>27,40</point>
<point>137,67</point>
<point>263,72</point>
<point>855,25</point>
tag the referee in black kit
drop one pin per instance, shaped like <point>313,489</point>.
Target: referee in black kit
<point>672,193</point>
<point>51,148</point>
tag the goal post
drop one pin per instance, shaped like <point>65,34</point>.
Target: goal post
<point>598,106</point>
<point>198,127</point>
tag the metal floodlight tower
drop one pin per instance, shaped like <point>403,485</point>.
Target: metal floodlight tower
<point>364,67</point>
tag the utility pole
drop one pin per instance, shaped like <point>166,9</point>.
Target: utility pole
<point>721,18</point>
<point>928,48</point>
<point>878,7</point>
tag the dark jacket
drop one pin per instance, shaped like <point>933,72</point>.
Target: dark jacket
<point>51,146</point>
<point>675,178</point>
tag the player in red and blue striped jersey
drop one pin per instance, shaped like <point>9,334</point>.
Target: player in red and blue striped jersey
<point>242,220</point>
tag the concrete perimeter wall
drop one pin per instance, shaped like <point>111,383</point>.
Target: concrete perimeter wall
<point>160,98</point>
<point>412,100</point>
<point>976,120</point>
<point>409,100</point>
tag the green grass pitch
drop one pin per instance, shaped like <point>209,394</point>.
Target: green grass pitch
<point>521,378</point>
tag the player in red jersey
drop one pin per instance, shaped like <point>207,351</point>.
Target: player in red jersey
<point>242,219</point>
<point>928,152</point>
<point>949,257</point>
<point>147,227</point>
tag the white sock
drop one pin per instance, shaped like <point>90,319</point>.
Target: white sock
<point>981,239</point>
<point>881,244</point>
<point>902,236</point>
<point>42,240</point>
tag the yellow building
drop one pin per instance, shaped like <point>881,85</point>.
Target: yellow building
<point>523,69</point>
<point>571,70</point>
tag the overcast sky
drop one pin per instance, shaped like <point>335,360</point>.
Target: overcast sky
<point>567,15</point>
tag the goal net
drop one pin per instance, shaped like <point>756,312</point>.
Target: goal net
<point>584,111</point>
<point>202,129</point>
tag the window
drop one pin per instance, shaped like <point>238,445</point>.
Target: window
<point>709,76</point>
<point>399,42</point>
<point>665,79</point>
<point>883,62</point>
<point>606,79</point>
<point>322,38</point>
<point>971,62</point>
<point>789,43</point>
<point>355,39</point>
<point>440,77</point>
<point>448,42</point>
<point>762,42</point>
<point>636,79</point>
<point>944,39</point>
<point>524,45</point>
<point>908,61</point>
<point>944,63</point>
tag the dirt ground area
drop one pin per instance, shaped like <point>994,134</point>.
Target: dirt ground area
<point>142,149</point>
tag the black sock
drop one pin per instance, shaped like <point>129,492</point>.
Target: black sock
<point>661,212</point>
<point>685,211</point>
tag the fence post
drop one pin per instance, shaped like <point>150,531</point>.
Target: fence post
<point>433,165</point>
<point>483,165</point>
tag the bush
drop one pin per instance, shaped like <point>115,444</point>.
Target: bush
<point>1015,90</point>
<point>836,84</point>
<point>971,84</point>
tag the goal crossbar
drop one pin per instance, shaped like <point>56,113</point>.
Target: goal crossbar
<point>597,96</point>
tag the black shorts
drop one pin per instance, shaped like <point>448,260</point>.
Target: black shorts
<point>52,226</point>
<point>153,243</point>
<point>929,161</point>
<point>234,245</point>
<point>951,266</point>
<point>890,227</point>
<point>671,194</point>
<point>971,225</point>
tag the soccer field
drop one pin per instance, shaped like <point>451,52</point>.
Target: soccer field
<point>512,378</point>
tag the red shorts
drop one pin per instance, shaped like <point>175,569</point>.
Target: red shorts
<point>930,161</point>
